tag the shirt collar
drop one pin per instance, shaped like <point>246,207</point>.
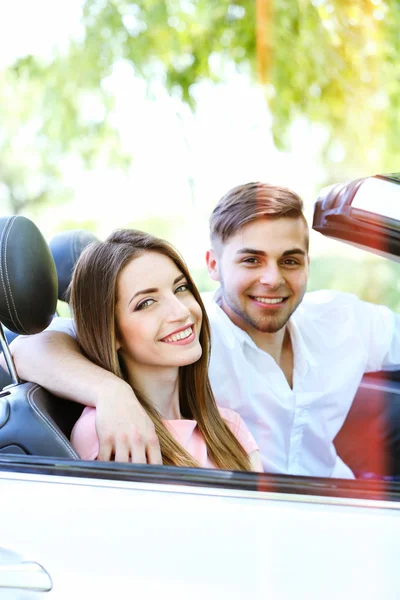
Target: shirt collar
<point>303,358</point>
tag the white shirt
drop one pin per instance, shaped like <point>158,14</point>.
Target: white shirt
<point>336,338</point>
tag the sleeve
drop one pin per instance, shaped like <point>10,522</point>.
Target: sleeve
<point>239,429</point>
<point>64,325</point>
<point>84,437</point>
<point>383,336</point>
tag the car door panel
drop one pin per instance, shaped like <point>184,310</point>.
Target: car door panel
<point>111,538</point>
<point>369,441</point>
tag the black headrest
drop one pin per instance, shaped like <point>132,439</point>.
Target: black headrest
<point>28,278</point>
<point>66,248</point>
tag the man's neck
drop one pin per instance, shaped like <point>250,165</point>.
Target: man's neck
<point>278,344</point>
<point>275,344</point>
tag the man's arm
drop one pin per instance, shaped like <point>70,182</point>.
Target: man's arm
<point>53,360</point>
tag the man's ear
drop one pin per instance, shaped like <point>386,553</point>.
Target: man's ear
<point>212,264</point>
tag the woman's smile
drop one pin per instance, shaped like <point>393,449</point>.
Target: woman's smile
<point>182,336</point>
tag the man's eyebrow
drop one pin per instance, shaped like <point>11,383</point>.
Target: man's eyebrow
<point>294,251</point>
<point>289,252</point>
<point>153,290</point>
<point>251,251</point>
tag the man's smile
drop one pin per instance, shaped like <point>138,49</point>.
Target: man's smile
<point>269,301</point>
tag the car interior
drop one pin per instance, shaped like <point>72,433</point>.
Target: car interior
<point>34,275</point>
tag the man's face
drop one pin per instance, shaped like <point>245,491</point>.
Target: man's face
<point>263,272</point>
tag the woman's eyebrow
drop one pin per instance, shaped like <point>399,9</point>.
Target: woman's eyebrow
<point>140,292</point>
<point>153,290</point>
<point>181,276</point>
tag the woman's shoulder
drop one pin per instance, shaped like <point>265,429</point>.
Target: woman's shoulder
<point>230,416</point>
<point>233,420</point>
<point>239,429</point>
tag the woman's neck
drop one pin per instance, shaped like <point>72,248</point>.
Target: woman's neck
<point>159,385</point>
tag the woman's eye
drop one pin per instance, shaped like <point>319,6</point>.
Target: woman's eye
<point>182,288</point>
<point>145,304</point>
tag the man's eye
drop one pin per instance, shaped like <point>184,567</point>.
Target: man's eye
<point>182,288</point>
<point>290,262</point>
<point>250,260</point>
<point>145,304</point>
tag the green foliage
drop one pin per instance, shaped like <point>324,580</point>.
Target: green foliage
<point>63,309</point>
<point>203,280</point>
<point>158,226</point>
<point>373,279</point>
<point>334,62</point>
<point>86,224</point>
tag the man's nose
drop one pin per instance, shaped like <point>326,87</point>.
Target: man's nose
<point>271,275</point>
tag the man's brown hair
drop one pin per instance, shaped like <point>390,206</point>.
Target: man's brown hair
<point>251,202</point>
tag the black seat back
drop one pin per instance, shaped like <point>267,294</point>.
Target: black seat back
<point>32,421</point>
<point>66,247</point>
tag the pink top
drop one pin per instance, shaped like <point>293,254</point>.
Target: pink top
<point>84,437</point>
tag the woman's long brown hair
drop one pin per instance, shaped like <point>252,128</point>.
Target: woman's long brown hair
<point>93,300</point>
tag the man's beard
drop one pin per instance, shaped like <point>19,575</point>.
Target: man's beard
<point>267,324</point>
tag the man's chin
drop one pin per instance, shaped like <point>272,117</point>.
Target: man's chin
<point>269,327</point>
<point>270,324</point>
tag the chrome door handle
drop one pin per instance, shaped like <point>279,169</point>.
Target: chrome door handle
<point>25,576</point>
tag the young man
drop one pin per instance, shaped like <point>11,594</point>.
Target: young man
<point>289,363</point>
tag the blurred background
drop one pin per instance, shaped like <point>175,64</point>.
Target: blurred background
<point>143,113</point>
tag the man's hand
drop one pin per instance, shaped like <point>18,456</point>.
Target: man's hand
<point>125,431</point>
<point>53,360</point>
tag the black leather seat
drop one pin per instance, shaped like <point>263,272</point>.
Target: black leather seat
<point>32,421</point>
<point>66,247</point>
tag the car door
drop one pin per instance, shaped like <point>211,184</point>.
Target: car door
<point>366,213</point>
<point>98,530</point>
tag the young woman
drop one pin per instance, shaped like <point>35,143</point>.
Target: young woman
<point>139,315</point>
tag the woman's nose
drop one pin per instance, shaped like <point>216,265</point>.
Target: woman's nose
<point>178,310</point>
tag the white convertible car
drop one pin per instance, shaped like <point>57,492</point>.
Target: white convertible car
<point>75,529</point>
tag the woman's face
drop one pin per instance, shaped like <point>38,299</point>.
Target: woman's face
<point>158,318</point>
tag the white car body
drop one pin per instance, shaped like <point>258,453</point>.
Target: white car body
<point>113,538</point>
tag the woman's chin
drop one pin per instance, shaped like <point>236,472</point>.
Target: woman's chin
<point>190,357</point>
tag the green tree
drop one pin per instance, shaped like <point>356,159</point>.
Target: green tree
<point>45,119</point>
<point>333,62</point>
